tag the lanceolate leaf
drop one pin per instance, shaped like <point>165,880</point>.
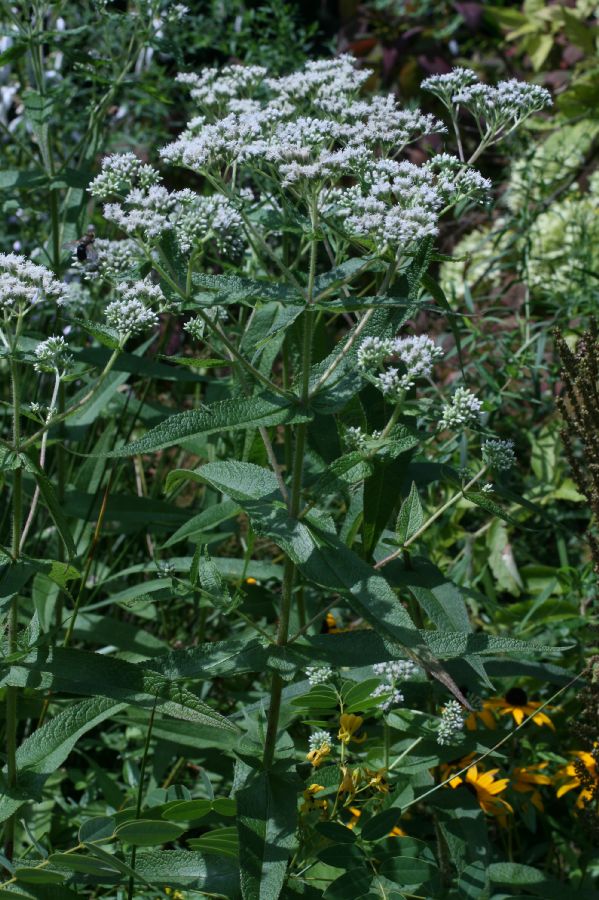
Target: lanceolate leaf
<point>266,823</point>
<point>47,748</point>
<point>81,672</point>
<point>267,409</point>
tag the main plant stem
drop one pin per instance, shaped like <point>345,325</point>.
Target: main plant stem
<point>13,613</point>
<point>294,499</point>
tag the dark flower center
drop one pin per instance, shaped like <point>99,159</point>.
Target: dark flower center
<point>516,697</point>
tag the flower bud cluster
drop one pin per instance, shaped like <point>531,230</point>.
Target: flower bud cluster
<point>121,173</point>
<point>501,106</point>
<point>417,353</point>
<point>196,327</point>
<point>318,739</point>
<point>52,355</point>
<point>392,672</point>
<point>23,285</point>
<point>355,439</point>
<point>451,724</point>
<point>116,259</point>
<point>463,411</point>
<point>498,454</point>
<point>319,674</point>
<point>131,312</point>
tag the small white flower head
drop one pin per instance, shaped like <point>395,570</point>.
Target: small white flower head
<point>373,351</point>
<point>445,86</point>
<point>498,454</point>
<point>319,674</point>
<point>487,488</point>
<point>197,327</point>
<point>418,354</point>
<point>456,181</point>
<point>319,739</point>
<point>198,220</point>
<point>52,355</point>
<point>451,724</point>
<point>132,313</point>
<point>391,696</point>
<point>463,411</point>
<point>116,259</point>
<point>24,284</point>
<point>120,174</point>
<point>165,569</point>
<point>392,672</point>
<point>508,103</point>
<point>354,438</point>
<point>396,669</point>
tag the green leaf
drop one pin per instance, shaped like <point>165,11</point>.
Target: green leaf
<point>82,672</point>
<point>237,289</point>
<point>212,584</point>
<point>220,841</point>
<point>32,875</point>
<point>148,832</point>
<point>41,754</point>
<point>205,521</point>
<point>474,882</point>
<point>381,825</point>
<point>190,870</point>
<point>335,832</point>
<point>188,810</point>
<point>321,696</point>
<point>266,409</point>
<point>98,829</point>
<point>51,500</point>
<point>350,886</point>
<point>481,499</point>
<point>411,516</point>
<point>359,696</point>
<point>266,822</point>
<point>408,870</point>
<point>84,865</point>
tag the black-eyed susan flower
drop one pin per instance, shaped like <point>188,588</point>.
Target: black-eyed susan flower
<point>526,780</point>
<point>582,773</point>
<point>486,788</point>
<point>516,704</point>
<point>348,725</point>
<point>483,715</point>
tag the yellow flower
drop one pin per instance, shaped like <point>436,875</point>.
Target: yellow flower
<point>486,788</point>
<point>525,779</point>
<point>377,779</point>
<point>349,724</point>
<point>484,714</point>
<point>173,894</point>
<point>396,831</point>
<point>571,774</point>
<point>516,704</point>
<point>349,781</point>
<point>310,802</point>
<point>355,813</point>
<point>317,755</point>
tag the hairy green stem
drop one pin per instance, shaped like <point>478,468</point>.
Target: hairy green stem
<point>294,498</point>
<point>13,613</point>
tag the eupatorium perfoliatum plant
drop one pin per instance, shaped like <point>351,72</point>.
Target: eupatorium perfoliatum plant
<point>321,438</point>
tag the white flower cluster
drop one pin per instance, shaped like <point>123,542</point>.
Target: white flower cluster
<point>132,313</point>
<point>456,181</point>
<point>52,355</point>
<point>198,219</point>
<point>498,454</point>
<point>116,259</point>
<point>196,327</point>
<point>417,353</point>
<point>451,724</point>
<point>123,172</point>
<point>354,437</point>
<point>318,739</point>
<point>392,672</point>
<point>147,210</point>
<point>463,411</point>
<point>319,674</point>
<point>216,87</point>
<point>24,284</point>
<point>507,103</point>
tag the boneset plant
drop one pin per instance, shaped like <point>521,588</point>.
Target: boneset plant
<point>296,264</point>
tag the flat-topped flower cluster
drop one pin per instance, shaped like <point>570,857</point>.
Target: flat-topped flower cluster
<point>307,137</point>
